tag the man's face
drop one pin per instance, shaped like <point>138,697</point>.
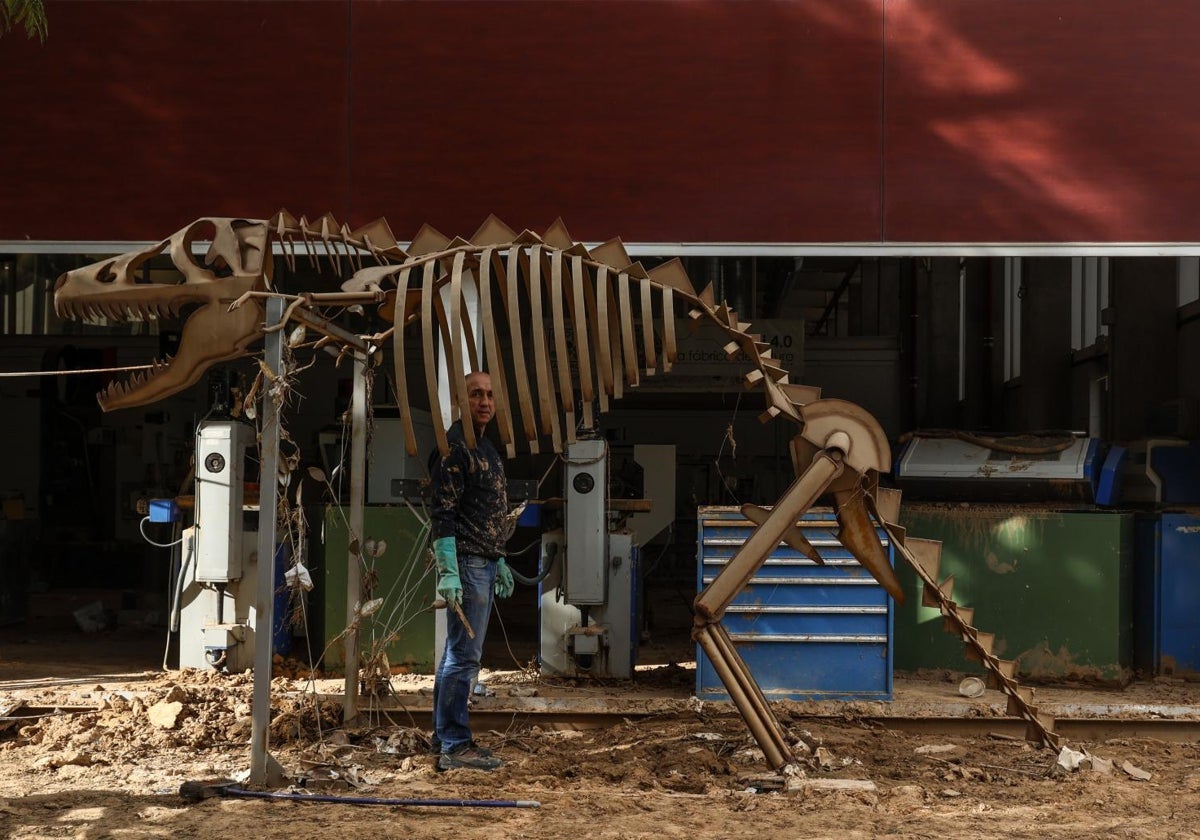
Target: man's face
<point>479,399</point>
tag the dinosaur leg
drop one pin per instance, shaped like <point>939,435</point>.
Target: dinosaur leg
<point>711,603</point>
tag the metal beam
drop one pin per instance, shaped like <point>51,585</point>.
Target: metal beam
<point>264,770</point>
<point>358,483</point>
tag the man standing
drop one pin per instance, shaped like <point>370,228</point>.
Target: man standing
<point>470,504</point>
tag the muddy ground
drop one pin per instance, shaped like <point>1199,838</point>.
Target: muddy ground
<point>107,753</point>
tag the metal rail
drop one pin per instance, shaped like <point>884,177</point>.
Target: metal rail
<point>1082,729</point>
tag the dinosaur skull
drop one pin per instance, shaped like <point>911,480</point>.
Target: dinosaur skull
<point>237,261</point>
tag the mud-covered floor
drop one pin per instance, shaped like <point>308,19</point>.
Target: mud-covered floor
<point>116,735</point>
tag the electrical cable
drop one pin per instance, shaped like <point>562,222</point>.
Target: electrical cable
<point>177,596</point>
<point>142,526</point>
<point>551,554</point>
<point>733,453</point>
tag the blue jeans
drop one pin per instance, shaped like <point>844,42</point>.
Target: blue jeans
<point>460,659</point>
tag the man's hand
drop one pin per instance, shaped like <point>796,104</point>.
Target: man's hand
<point>449,585</point>
<point>504,579</point>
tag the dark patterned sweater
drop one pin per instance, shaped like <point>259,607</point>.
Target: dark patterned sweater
<point>469,496</point>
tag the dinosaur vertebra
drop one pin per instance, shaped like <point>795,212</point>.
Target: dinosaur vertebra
<point>525,281</point>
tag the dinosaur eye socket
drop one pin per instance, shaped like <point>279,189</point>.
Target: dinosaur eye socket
<point>105,274</point>
<point>220,268</point>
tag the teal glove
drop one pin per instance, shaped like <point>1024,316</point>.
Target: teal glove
<point>449,585</point>
<point>504,579</point>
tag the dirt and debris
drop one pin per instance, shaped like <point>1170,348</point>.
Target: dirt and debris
<point>113,765</point>
<point>92,746</point>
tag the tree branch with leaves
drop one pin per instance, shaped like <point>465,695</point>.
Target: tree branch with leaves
<point>30,14</point>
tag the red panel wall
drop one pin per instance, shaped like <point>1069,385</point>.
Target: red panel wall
<point>135,118</point>
<point>705,121</point>
<point>1059,121</point>
<point>697,121</point>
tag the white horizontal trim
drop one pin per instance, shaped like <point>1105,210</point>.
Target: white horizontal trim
<point>919,249</point>
<point>749,249</point>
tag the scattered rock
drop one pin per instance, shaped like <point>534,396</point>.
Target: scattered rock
<point>1136,773</point>
<point>241,730</point>
<point>907,792</point>
<point>831,784</point>
<point>809,739</point>
<point>824,758</point>
<point>62,759</point>
<point>165,715</point>
<point>937,749</point>
<point>951,793</point>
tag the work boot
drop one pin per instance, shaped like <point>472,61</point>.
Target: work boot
<point>473,758</point>
<point>435,746</point>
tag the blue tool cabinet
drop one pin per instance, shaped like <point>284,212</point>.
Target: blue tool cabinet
<point>1166,582</point>
<point>806,632</point>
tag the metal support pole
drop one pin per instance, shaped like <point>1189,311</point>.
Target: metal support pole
<point>264,770</point>
<point>358,470</point>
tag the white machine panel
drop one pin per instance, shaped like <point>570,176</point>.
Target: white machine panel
<point>585,489</point>
<point>220,458</point>
<point>216,623</point>
<point>608,646</point>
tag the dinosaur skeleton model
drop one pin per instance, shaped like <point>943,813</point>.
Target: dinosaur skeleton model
<point>523,282</point>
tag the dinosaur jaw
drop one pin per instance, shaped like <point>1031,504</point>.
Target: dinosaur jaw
<point>210,335</point>
<point>237,261</point>
<point>211,332</point>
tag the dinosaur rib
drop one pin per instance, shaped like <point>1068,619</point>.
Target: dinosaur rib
<point>627,332</point>
<point>399,365</point>
<point>493,360</point>
<point>458,385</point>
<point>579,321</point>
<point>546,402</point>
<point>439,431</point>
<point>563,361</point>
<point>614,338</point>
<point>648,326</point>
<point>604,366</point>
<point>524,397</point>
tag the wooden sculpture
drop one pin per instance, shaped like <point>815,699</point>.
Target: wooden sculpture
<point>549,305</point>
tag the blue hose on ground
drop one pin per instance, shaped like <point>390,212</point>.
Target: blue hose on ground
<point>371,800</point>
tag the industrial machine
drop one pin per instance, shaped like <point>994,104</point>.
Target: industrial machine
<point>1024,468</point>
<point>588,599</point>
<point>215,592</point>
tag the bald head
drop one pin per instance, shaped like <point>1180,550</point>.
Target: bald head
<point>480,400</point>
